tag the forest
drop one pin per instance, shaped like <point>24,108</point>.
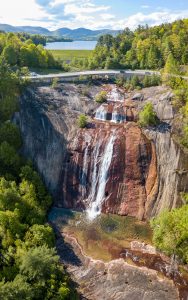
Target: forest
<point>23,50</point>
<point>145,48</point>
<point>29,265</point>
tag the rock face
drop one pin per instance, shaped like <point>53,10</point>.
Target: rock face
<point>111,166</point>
<point>172,170</point>
<point>47,119</point>
<point>129,179</point>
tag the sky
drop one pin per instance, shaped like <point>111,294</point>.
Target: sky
<point>93,14</point>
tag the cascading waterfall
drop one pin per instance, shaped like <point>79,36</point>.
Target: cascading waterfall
<point>83,177</point>
<point>115,95</point>
<point>97,196</point>
<point>101,114</point>
<point>117,118</point>
<point>94,174</point>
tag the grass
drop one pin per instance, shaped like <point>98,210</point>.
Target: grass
<point>106,236</point>
<point>68,55</point>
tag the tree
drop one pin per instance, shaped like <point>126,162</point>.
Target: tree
<point>135,82</point>
<point>171,66</point>
<point>101,97</point>
<point>39,263</point>
<point>16,290</point>
<point>54,83</point>
<point>39,235</point>
<point>148,117</point>
<point>82,121</point>
<point>10,133</point>
<point>10,54</point>
<point>10,227</point>
<point>9,160</point>
<point>153,58</point>
<point>170,232</point>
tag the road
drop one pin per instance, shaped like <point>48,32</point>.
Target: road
<point>127,73</point>
<point>95,72</point>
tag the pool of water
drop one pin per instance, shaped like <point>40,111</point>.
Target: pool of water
<point>75,45</point>
<point>110,237</point>
<point>104,237</point>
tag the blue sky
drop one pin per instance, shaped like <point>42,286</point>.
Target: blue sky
<point>94,14</point>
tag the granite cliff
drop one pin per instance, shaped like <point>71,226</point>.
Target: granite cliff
<point>112,166</point>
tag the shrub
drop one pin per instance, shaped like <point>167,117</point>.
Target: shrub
<point>147,116</point>
<point>170,232</point>
<point>82,121</point>
<point>54,83</point>
<point>101,97</point>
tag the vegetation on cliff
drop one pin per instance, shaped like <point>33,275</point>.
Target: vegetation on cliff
<point>148,117</point>
<point>29,266</point>
<point>101,97</point>
<point>170,232</point>
<point>82,121</point>
<point>138,83</point>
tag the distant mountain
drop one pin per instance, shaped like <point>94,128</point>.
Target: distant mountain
<point>75,34</point>
<point>83,33</point>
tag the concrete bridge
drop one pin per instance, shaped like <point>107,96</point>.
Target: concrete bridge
<point>70,76</point>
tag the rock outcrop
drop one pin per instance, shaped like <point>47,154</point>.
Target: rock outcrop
<point>114,280</point>
<point>130,178</point>
<point>147,170</point>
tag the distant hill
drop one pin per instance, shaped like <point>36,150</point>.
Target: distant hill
<point>83,33</point>
<point>75,34</point>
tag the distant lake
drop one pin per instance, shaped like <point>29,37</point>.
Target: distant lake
<point>75,45</point>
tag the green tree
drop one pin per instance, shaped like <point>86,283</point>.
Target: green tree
<point>171,66</point>
<point>148,117</point>
<point>16,290</point>
<point>10,54</point>
<point>82,121</point>
<point>10,133</point>
<point>170,232</point>
<point>101,97</point>
<point>39,235</point>
<point>10,161</point>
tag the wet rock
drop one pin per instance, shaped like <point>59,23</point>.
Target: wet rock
<point>116,280</point>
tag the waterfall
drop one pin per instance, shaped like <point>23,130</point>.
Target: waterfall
<point>101,113</point>
<point>83,177</point>
<point>115,95</point>
<point>117,118</point>
<point>97,197</point>
<point>94,174</point>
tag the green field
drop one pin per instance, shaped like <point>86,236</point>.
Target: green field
<point>69,55</point>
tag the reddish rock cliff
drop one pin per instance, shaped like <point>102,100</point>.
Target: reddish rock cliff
<point>131,176</point>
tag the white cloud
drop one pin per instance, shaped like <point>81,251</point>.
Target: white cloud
<point>107,17</point>
<point>151,19</point>
<point>145,6</point>
<point>84,9</point>
<point>16,12</point>
<point>54,14</point>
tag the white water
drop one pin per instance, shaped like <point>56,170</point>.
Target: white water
<point>100,181</point>
<point>115,95</point>
<point>117,118</point>
<point>101,113</point>
<point>94,175</point>
<point>83,178</point>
